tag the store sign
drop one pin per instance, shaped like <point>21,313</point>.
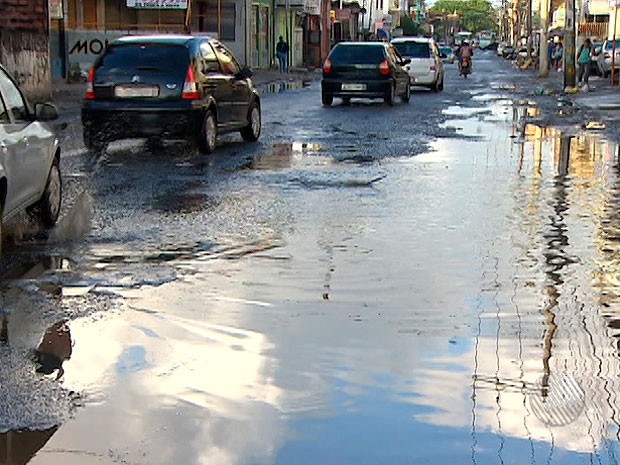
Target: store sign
<point>158,4</point>
<point>55,9</point>
<point>343,14</point>
<point>312,7</point>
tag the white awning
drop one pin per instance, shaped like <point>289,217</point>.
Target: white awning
<point>597,7</point>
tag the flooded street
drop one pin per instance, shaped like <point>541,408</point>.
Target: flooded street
<point>429,283</point>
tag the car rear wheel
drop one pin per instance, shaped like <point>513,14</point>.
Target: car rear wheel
<point>407,95</point>
<point>208,133</point>
<point>390,96</point>
<point>94,140</point>
<point>326,98</point>
<point>251,132</point>
<point>1,230</point>
<point>48,208</point>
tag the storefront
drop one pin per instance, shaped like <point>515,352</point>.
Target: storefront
<point>261,35</point>
<point>82,28</point>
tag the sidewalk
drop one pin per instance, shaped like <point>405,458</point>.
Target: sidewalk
<point>597,109</point>
<point>68,96</point>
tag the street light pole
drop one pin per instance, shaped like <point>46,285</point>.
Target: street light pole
<point>569,45</point>
<point>613,48</point>
<point>543,54</point>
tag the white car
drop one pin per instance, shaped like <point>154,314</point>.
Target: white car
<point>29,157</point>
<point>426,68</point>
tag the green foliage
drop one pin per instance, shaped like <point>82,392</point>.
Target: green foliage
<point>473,15</point>
<point>410,27</point>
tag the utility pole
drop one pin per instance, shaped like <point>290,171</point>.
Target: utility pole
<point>615,4</point>
<point>543,55</point>
<point>529,29</point>
<point>569,45</point>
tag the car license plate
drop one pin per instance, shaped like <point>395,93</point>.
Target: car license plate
<point>353,86</point>
<point>136,91</point>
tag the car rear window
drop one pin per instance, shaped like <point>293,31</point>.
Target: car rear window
<point>610,44</point>
<point>145,57</point>
<point>357,54</point>
<point>413,49</point>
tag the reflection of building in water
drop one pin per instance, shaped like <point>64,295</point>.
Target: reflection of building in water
<point>607,270</point>
<point>544,367</point>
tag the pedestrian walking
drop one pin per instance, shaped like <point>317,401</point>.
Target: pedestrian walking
<point>558,51</point>
<point>282,54</point>
<point>550,49</point>
<point>583,61</point>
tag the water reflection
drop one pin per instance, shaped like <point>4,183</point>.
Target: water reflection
<point>414,327</point>
<point>55,347</point>
<point>286,155</point>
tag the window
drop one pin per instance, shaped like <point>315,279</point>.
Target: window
<point>210,63</point>
<point>357,54</point>
<point>4,114</point>
<point>13,99</point>
<point>208,18</point>
<point>226,58</point>
<point>413,49</point>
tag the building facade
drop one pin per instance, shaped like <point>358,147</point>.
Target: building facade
<point>250,28</point>
<point>24,44</point>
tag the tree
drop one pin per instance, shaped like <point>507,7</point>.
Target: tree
<point>410,28</point>
<point>474,15</point>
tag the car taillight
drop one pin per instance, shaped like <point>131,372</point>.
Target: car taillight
<point>327,66</point>
<point>384,67</point>
<point>433,68</point>
<point>90,87</point>
<point>190,87</point>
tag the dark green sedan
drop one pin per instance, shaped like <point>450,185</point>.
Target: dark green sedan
<point>365,70</point>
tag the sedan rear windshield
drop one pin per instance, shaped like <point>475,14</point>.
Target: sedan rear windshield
<point>610,44</point>
<point>357,54</point>
<point>145,57</point>
<point>413,49</point>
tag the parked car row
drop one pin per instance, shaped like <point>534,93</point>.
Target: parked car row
<point>604,57</point>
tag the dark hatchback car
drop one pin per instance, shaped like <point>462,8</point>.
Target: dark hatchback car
<point>169,86</point>
<point>364,70</point>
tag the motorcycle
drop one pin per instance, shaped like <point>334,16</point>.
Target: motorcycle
<point>465,67</point>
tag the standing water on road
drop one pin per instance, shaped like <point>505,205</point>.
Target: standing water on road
<point>312,302</point>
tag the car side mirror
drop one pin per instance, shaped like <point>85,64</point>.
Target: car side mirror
<point>405,61</point>
<point>443,55</point>
<point>45,112</point>
<point>245,73</point>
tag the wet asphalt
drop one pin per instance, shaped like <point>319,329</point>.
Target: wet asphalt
<point>424,283</point>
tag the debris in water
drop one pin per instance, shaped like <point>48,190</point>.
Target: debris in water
<point>594,125</point>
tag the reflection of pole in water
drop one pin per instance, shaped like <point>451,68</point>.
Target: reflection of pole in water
<point>4,329</point>
<point>563,162</point>
<point>561,397</point>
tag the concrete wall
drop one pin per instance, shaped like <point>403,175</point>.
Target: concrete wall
<point>24,45</point>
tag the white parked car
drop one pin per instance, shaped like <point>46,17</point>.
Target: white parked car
<point>29,157</point>
<point>426,68</point>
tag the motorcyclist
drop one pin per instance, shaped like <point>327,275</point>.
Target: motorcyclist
<point>465,51</point>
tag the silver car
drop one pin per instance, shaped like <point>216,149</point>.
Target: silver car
<point>604,58</point>
<point>29,157</point>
